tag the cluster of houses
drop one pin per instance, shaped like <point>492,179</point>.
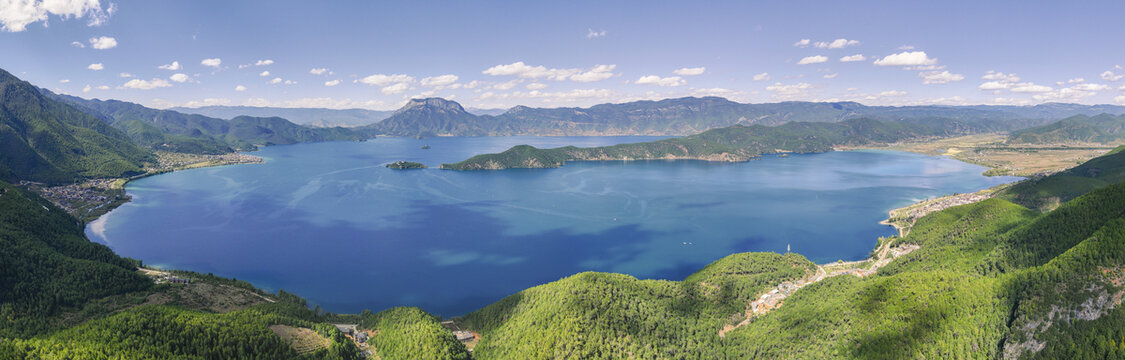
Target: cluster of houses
<point>68,197</point>
<point>172,279</point>
<point>352,331</point>
<point>916,212</point>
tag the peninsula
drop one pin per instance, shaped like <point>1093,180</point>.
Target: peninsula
<point>730,144</point>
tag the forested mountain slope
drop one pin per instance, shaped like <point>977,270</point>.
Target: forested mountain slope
<point>48,141</point>
<point>735,143</point>
<point>1081,129</point>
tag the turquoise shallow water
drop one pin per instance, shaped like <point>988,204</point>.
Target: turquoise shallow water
<point>329,222</point>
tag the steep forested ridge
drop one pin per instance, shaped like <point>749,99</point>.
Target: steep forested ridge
<point>174,131</point>
<point>48,141</point>
<point>47,264</point>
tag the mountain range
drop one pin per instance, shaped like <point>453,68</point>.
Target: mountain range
<point>316,117</point>
<point>690,115</point>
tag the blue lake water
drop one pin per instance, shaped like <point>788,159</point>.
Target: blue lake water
<point>329,222</point>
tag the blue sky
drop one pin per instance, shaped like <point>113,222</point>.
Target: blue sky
<point>493,54</point>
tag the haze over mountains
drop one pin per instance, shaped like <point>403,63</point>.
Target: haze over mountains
<point>318,117</point>
<point>104,154</point>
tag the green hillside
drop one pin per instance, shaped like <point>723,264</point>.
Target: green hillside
<point>1048,192</point>
<point>990,279</point>
<point>198,134</point>
<point>48,141</point>
<point>598,315</point>
<point>48,265</point>
<point>1103,128</point>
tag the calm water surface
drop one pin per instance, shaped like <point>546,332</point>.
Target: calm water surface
<point>329,222</point>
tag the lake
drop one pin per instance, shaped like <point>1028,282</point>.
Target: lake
<point>329,222</point>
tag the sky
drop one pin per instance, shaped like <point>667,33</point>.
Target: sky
<point>498,54</point>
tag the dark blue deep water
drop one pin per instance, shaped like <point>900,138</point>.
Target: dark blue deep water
<point>329,222</point>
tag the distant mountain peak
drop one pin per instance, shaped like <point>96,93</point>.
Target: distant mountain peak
<point>432,103</point>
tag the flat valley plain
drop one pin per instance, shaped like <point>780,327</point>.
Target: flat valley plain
<point>993,151</point>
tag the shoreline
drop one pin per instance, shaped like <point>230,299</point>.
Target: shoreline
<point>863,267</point>
<point>92,199</point>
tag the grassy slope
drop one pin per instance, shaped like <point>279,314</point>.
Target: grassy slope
<point>599,315</point>
<point>1048,192</point>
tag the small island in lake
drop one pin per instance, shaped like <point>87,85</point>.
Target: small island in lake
<point>425,147</point>
<point>404,165</point>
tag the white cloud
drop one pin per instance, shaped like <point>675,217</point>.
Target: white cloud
<point>507,85</point>
<point>212,62</point>
<point>1110,76</point>
<point>1029,88</point>
<point>264,73</point>
<point>659,81</point>
<point>995,75</point>
<point>551,97</point>
<point>1120,99</point>
<point>125,75</point>
<point>816,59</point>
<point>762,77</point>
<point>943,77</point>
<point>318,71</point>
<point>96,67</point>
<point>86,89</point>
<point>395,89</point>
<point>103,43</point>
<point>790,91</point>
<point>145,85</point>
<point>851,58</point>
<point>994,85</point>
<point>831,76</point>
<point>906,58</point>
<point>442,80</point>
<point>290,82</point>
<point>15,15</point>
<point>274,81</point>
<point>207,102</point>
<point>103,87</point>
<point>332,82</point>
<point>536,86</point>
<point>175,65</point>
<point>836,44</point>
<point>178,77</point>
<point>715,92</point>
<point>802,43</point>
<point>1090,87</point>
<point>690,71</point>
<point>1069,94</point>
<point>264,62</point>
<point>383,80</point>
<point>64,81</point>
<point>590,34</point>
<point>239,88</point>
<point>598,72</point>
<point>78,45</point>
